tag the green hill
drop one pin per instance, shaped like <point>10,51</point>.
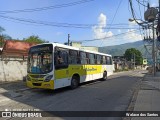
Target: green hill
<point>119,50</point>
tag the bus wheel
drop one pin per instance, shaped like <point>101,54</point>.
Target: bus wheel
<point>74,82</point>
<point>104,76</point>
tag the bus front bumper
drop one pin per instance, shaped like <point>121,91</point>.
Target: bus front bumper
<point>43,85</point>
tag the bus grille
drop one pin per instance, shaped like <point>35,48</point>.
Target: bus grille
<point>36,84</point>
<point>37,76</point>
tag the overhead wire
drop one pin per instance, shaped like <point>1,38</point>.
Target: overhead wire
<point>104,38</point>
<point>133,14</point>
<point>48,7</point>
<point>140,16</point>
<point>113,17</point>
<point>141,3</point>
<point>57,24</point>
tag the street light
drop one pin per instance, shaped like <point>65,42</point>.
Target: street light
<point>139,22</point>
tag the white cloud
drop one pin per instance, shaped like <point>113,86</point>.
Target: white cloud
<point>119,31</point>
<point>132,36</point>
<point>99,31</point>
<point>154,4</point>
<point>59,33</point>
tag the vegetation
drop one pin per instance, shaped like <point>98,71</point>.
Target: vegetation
<point>120,70</point>
<point>30,39</point>
<point>129,55</point>
<point>34,39</point>
<point>3,36</point>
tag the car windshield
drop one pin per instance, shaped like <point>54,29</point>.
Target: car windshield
<point>40,63</point>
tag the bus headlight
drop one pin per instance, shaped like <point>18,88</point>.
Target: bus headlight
<point>28,78</point>
<point>48,78</point>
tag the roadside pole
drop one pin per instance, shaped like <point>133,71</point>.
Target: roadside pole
<point>134,61</point>
<point>68,39</point>
<point>153,52</point>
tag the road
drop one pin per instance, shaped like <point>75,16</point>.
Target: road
<point>113,94</point>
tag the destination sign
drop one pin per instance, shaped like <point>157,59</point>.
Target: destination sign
<point>41,48</point>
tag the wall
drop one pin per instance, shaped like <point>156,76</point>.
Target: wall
<point>12,69</point>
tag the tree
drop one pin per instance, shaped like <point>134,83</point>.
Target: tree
<point>3,37</point>
<point>1,29</point>
<point>129,55</point>
<point>34,39</point>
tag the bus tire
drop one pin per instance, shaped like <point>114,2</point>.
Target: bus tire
<point>104,76</point>
<point>74,82</point>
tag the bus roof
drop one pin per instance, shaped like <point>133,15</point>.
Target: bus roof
<point>73,48</point>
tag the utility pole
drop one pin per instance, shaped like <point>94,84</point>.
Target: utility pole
<point>153,50</point>
<point>68,40</point>
<point>159,12</point>
<point>150,16</point>
<point>134,61</point>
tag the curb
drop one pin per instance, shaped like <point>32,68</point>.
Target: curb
<point>134,98</point>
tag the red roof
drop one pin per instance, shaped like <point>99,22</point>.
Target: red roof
<point>16,48</point>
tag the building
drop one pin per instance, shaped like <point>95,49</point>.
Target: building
<point>79,45</point>
<point>13,60</point>
<point>15,48</point>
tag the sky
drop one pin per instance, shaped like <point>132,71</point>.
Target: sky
<point>53,20</point>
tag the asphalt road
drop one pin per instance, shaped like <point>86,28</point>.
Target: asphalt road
<point>114,94</point>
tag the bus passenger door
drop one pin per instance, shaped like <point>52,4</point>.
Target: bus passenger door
<point>61,68</point>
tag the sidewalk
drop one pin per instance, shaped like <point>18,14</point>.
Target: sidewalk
<point>11,89</point>
<point>148,98</point>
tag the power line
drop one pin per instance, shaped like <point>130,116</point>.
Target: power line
<point>104,38</point>
<point>139,9</point>
<point>114,16</point>
<point>133,14</point>
<point>58,23</point>
<point>83,25</point>
<point>141,3</point>
<point>55,24</point>
<point>47,8</point>
<point>140,15</point>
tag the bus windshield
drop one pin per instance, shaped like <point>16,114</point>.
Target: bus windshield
<point>40,62</point>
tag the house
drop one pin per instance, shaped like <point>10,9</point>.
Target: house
<point>13,48</point>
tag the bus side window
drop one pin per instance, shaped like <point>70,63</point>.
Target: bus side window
<point>91,59</point>
<point>109,60</point>
<point>95,58</point>
<point>73,57</point>
<point>98,59</point>
<point>83,58</point>
<point>101,59</point>
<point>104,60</point>
<point>61,58</point>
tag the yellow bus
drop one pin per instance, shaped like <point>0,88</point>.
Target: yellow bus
<point>54,65</point>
